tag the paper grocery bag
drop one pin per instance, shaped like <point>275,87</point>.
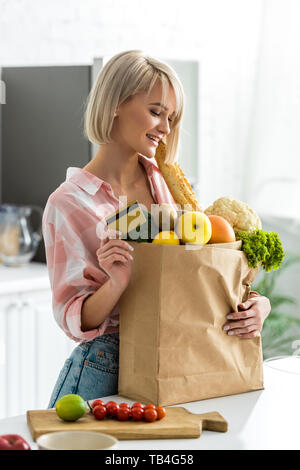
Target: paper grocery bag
<point>172,345</point>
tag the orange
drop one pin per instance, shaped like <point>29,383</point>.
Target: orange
<point>221,230</point>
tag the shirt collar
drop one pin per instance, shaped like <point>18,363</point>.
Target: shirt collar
<point>91,183</point>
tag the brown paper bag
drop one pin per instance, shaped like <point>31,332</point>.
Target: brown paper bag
<point>172,345</point>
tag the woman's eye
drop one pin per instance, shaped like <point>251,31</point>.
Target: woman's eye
<point>157,114</point>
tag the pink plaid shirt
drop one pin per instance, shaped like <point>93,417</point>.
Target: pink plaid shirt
<point>72,220</point>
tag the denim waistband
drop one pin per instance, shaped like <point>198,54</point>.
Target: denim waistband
<point>110,338</point>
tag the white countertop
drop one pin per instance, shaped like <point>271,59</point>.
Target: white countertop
<point>264,419</point>
<point>34,275</point>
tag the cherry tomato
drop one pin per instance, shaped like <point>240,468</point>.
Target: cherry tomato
<point>137,413</point>
<point>112,408</point>
<point>150,414</point>
<point>138,405</point>
<point>97,402</point>
<point>99,412</point>
<point>161,412</point>
<point>150,405</point>
<point>124,405</point>
<point>123,414</point>
<point>109,402</point>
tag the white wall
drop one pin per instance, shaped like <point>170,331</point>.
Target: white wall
<point>222,35</point>
<point>2,102</point>
<point>249,76</point>
<point>274,144</point>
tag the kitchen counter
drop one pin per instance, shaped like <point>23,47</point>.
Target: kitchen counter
<point>33,275</point>
<point>264,419</point>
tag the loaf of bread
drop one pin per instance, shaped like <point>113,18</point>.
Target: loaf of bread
<point>177,183</point>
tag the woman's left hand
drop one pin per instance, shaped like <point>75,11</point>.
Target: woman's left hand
<point>248,321</point>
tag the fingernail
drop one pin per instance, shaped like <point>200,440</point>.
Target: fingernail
<point>226,327</point>
<point>229,317</point>
<point>131,257</point>
<point>130,247</point>
<point>230,333</point>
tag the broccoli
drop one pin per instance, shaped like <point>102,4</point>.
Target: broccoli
<point>262,247</point>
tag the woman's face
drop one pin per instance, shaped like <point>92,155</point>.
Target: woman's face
<point>139,117</point>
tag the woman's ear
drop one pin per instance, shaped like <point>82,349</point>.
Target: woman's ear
<point>117,110</point>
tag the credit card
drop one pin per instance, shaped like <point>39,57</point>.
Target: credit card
<point>127,218</point>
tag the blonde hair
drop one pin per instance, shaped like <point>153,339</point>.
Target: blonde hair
<point>124,75</point>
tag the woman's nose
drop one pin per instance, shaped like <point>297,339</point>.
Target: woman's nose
<point>164,126</point>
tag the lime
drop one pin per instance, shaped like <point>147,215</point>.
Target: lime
<point>70,407</point>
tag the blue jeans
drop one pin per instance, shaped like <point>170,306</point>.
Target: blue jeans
<point>91,371</point>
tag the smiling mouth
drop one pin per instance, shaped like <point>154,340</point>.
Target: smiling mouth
<point>154,142</point>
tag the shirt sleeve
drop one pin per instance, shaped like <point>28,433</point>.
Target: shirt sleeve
<point>73,270</point>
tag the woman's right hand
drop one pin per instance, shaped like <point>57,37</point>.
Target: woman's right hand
<point>114,258</point>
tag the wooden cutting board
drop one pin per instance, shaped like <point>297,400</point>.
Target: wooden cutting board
<point>179,423</point>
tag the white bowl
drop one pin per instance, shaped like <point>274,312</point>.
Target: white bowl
<point>76,440</point>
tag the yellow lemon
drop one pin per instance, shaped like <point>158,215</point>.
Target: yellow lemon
<point>167,237</point>
<point>70,407</point>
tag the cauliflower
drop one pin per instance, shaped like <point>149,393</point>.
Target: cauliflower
<point>240,216</point>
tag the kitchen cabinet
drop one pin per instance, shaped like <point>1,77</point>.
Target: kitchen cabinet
<point>44,108</point>
<point>32,346</point>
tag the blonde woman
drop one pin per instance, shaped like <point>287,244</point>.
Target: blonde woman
<point>135,102</point>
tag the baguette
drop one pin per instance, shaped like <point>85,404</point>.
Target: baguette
<point>176,181</point>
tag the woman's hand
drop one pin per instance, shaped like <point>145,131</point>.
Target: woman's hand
<point>248,321</point>
<point>114,258</point>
